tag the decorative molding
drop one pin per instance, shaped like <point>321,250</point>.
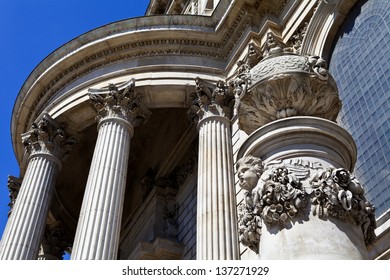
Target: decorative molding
<point>48,137</point>
<point>119,102</point>
<point>281,198</point>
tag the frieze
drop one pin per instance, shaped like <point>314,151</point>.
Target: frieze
<point>249,171</point>
<point>281,197</point>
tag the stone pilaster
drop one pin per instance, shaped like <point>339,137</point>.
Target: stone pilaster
<point>119,109</point>
<point>46,143</point>
<point>216,204</point>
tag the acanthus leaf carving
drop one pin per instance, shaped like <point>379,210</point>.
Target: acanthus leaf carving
<point>48,136</point>
<point>210,100</point>
<point>119,102</point>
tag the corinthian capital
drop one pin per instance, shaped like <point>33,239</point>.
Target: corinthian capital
<point>119,101</point>
<point>47,136</point>
<point>211,100</point>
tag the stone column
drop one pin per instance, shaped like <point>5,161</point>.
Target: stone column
<point>216,204</point>
<point>119,110</point>
<point>46,143</point>
<point>300,199</point>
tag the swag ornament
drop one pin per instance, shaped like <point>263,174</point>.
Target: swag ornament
<point>336,193</point>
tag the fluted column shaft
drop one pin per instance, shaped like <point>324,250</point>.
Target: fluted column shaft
<point>97,235</point>
<point>23,233</point>
<point>46,143</point>
<point>119,109</point>
<point>216,214</point>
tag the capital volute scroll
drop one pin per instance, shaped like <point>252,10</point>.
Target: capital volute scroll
<point>47,136</point>
<point>210,100</point>
<point>119,101</point>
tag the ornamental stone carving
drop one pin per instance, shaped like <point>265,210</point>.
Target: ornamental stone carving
<point>211,100</point>
<point>14,184</point>
<point>335,192</point>
<point>297,38</point>
<point>249,171</point>
<point>282,196</point>
<point>281,193</point>
<point>54,242</point>
<point>284,84</point>
<point>48,137</point>
<point>119,101</point>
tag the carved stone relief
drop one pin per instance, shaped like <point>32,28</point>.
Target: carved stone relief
<point>283,85</point>
<point>277,194</point>
<point>335,192</point>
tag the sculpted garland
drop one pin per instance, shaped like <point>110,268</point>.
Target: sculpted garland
<point>280,193</point>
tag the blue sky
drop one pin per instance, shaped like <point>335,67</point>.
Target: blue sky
<point>30,31</point>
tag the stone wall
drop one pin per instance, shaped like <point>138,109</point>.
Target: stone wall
<point>186,200</point>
